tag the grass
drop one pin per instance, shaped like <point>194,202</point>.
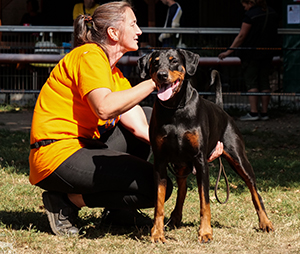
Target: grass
<point>275,157</point>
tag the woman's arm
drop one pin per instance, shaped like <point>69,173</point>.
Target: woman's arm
<point>136,122</point>
<point>239,39</point>
<point>107,104</point>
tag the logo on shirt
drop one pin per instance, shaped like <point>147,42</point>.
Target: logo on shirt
<point>109,124</point>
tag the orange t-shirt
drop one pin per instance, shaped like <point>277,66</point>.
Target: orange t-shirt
<point>62,111</point>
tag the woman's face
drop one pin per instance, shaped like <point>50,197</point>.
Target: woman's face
<point>247,6</point>
<point>129,32</point>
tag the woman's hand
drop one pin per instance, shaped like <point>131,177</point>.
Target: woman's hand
<point>217,152</point>
<point>223,55</point>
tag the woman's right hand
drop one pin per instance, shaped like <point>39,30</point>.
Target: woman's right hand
<point>223,55</point>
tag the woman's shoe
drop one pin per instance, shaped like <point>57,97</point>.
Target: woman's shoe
<point>61,213</point>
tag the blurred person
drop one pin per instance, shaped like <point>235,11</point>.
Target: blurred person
<point>258,30</point>
<point>87,7</point>
<point>172,21</point>
<point>32,17</point>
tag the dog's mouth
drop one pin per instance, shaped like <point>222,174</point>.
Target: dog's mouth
<point>166,90</point>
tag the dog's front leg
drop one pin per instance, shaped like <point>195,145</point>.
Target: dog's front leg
<point>157,231</point>
<point>176,215</point>
<point>205,231</point>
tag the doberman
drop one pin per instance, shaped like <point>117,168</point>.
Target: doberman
<point>184,130</point>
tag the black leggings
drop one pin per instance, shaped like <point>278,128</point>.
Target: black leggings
<point>115,177</point>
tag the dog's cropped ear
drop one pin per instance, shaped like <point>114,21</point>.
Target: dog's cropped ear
<point>144,64</point>
<point>191,61</point>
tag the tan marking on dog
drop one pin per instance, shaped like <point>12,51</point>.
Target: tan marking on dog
<point>159,141</point>
<point>174,75</point>
<point>193,139</point>
<point>205,231</point>
<point>157,231</point>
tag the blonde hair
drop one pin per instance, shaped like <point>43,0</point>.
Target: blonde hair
<point>94,29</point>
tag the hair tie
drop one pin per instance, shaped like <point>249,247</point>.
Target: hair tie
<point>88,19</point>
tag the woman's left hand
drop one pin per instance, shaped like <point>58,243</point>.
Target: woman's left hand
<point>217,152</point>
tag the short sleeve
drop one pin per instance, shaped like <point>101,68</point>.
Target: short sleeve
<point>94,72</point>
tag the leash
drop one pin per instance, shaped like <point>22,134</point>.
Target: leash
<point>171,169</point>
<point>218,180</point>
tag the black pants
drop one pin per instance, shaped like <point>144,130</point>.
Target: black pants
<point>115,177</point>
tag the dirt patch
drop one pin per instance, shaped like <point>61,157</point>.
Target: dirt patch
<point>16,121</point>
<point>284,124</point>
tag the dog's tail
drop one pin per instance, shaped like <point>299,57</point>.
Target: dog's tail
<point>216,80</point>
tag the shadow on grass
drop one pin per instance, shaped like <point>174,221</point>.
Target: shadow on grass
<point>14,151</point>
<point>90,228</point>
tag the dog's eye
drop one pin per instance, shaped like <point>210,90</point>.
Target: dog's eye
<point>174,61</point>
<point>156,62</point>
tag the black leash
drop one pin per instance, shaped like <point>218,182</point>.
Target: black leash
<point>218,180</point>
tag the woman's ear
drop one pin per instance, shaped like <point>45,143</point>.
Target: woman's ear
<point>113,33</point>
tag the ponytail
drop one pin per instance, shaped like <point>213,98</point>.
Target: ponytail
<point>82,33</point>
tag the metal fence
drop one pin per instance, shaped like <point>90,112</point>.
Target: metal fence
<point>28,54</point>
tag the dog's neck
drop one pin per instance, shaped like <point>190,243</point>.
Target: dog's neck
<point>180,99</point>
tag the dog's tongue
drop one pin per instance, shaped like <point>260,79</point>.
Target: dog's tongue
<point>165,92</point>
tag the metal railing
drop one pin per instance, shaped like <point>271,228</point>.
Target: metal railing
<point>18,47</point>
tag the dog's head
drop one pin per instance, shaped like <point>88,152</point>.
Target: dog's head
<point>168,69</point>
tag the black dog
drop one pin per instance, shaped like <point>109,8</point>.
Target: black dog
<point>184,130</point>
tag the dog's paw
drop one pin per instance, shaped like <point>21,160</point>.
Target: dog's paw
<point>157,235</point>
<point>205,238</point>
<point>267,226</point>
<point>175,220</point>
<point>158,239</point>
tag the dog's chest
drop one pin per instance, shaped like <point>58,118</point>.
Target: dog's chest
<point>178,140</point>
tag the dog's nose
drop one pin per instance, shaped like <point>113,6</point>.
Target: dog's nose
<point>162,75</point>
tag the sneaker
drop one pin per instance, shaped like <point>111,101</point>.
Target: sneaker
<point>264,118</point>
<point>125,217</point>
<point>61,213</point>
<point>248,117</point>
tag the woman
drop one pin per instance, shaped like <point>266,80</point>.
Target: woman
<point>85,103</point>
<point>258,30</point>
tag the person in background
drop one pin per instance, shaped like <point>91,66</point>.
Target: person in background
<point>32,17</point>
<point>172,20</point>
<point>89,136</point>
<point>258,30</point>
<point>87,7</point>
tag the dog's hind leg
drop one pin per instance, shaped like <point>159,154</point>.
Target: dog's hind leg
<point>176,215</point>
<point>205,231</point>
<point>243,167</point>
